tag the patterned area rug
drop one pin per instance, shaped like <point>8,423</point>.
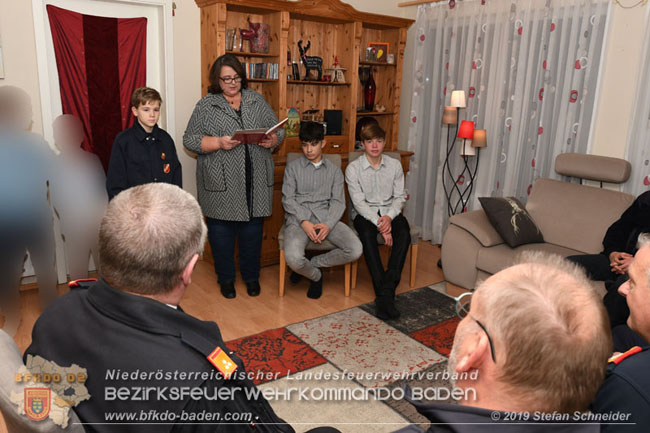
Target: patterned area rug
<point>347,369</point>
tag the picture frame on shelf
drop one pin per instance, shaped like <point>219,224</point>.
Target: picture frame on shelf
<point>380,51</point>
<point>293,124</point>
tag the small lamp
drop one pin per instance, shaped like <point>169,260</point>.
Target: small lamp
<point>466,132</point>
<point>479,139</point>
<point>450,115</point>
<point>458,99</point>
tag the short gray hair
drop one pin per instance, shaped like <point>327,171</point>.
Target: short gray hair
<point>643,240</point>
<point>147,237</point>
<point>550,331</point>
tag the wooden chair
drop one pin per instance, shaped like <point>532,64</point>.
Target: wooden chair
<point>415,233</point>
<point>311,246</point>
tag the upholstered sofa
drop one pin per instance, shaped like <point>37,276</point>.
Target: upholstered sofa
<point>572,217</point>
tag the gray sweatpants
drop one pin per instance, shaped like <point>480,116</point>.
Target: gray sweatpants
<point>295,240</point>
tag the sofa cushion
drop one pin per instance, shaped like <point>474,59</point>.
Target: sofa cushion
<point>510,219</point>
<point>477,223</point>
<point>494,259</point>
<point>575,216</point>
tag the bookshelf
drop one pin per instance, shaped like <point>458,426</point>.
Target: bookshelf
<point>334,29</point>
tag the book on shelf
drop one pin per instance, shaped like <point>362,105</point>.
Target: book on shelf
<point>262,70</point>
<point>254,136</point>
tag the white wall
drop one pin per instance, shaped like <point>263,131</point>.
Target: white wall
<point>618,81</point>
<point>614,107</point>
<point>19,52</point>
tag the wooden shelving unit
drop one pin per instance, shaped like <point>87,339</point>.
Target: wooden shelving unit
<point>377,64</point>
<point>316,83</point>
<point>334,29</point>
<point>249,54</point>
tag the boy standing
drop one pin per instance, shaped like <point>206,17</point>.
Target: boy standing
<point>314,202</point>
<point>143,153</point>
<point>376,187</point>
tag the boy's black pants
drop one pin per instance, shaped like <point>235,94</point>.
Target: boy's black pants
<point>384,282</point>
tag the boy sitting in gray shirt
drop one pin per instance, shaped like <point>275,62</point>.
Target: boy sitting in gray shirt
<point>376,186</point>
<point>314,202</point>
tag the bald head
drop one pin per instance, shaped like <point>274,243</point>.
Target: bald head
<point>637,289</point>
<point>148,236</point>
<point>550,330</point>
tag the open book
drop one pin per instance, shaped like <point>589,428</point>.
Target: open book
<point>254,136</point>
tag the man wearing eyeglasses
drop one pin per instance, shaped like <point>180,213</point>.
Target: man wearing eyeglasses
<point>627,385</point>
<point>536,341</point>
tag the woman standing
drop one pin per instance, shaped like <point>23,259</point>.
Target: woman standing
<point>234,180</point>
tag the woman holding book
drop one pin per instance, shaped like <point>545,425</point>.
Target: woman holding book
<point>234,180</point>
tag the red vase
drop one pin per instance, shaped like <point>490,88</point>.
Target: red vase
<point>369,92</point>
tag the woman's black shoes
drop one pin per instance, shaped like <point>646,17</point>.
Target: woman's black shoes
<point>228,289</point>
<point>253,288</point>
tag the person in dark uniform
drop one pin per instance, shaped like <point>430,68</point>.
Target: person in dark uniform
<point>512,352</point>
<point>144,153</point>
<point>143,354</point>
<point>619,243</point>
<point>627,385</point>
<point>619,246</point>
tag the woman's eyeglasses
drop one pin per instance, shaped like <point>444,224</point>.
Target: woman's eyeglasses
<point>229,79</point>
<point>462,310</point>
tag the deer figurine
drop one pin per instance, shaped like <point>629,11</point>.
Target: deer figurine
<point>251,32</point>
<point>310,62</point>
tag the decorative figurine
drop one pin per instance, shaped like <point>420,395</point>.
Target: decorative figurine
<point>312,63</point>
<point>257,35</point>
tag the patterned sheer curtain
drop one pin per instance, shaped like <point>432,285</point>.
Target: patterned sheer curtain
<point>638,139</point>
<point>529,70</point>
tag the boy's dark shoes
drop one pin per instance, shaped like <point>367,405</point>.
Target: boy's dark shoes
<point>295,277</point>
<point>315,288</point>
<point>253,288</point>
<point>228,289</point>
<point>385,308</point>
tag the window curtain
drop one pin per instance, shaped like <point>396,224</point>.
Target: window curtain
<point>100,62</point>
<point>529,70</point>
<point>638,139</point>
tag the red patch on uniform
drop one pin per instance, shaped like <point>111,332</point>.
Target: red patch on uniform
<point>620,357</point>
<point>163,156</point>
<point>166,168</point>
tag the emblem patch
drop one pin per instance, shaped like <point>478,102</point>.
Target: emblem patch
<point>37,403</point>
<point>224,364</point>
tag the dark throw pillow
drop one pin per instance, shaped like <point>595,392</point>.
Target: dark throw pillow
<point>511,220</point>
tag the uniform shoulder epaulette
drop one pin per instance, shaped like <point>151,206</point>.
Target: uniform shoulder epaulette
<point>83,283</point>
<point>617,359</point>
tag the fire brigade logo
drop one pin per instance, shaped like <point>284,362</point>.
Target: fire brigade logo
<point>37,403</point>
